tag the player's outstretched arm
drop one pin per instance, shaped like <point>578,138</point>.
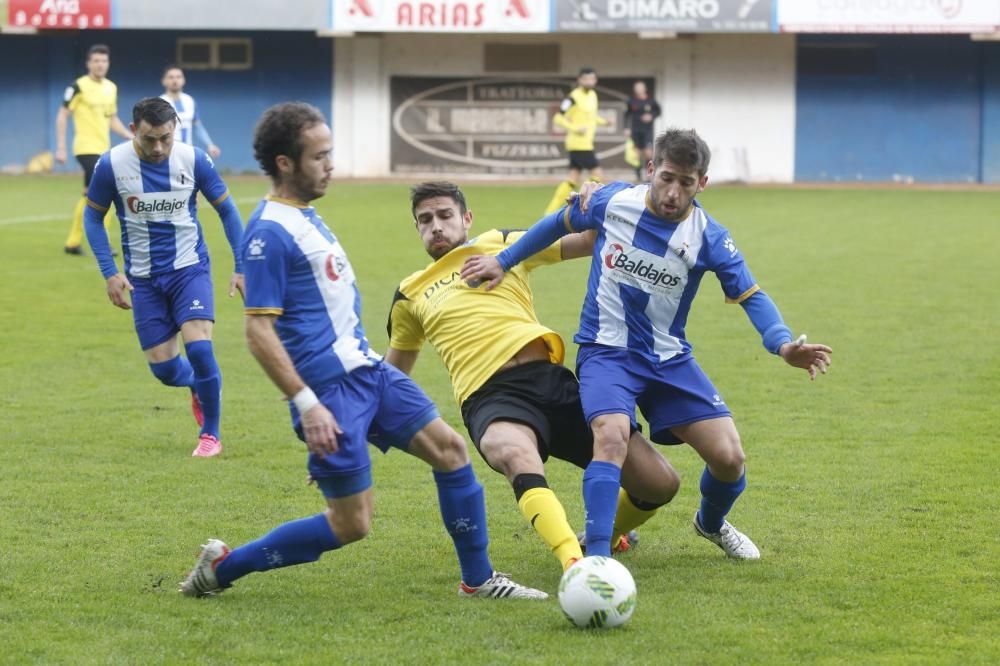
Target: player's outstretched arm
<point>319,425</point>
<point>542,234</point>
<point>814,358</point>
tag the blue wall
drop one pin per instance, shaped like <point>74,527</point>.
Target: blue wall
<point>287,66</point>
<point>929,110</point>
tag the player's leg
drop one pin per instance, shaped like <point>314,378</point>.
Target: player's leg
<point>648,482</point>
<point>407,419</point>
<point>75,238</point>
<point>563,189</point>
<point>157,332</point>
<point>722,482</point>
<point>512,449</point>
<point>193,304</point>
<point>344,478</point>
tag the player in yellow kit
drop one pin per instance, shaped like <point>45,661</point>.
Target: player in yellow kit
<point>519,403</point>
<point>578,116</point>
<point>92,100</point>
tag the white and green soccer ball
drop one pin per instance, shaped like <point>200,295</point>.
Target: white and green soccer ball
<point>597,593</point>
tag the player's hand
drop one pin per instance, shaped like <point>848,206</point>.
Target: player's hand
<point>321,430</point>
<point>214,151</point>
<point>60,155</point>
<point>236,284</point>
<point>586,192</point>
<point>582,131</point>
<point>814,358</point>
<point>118,284</point>
<point>482,267</point>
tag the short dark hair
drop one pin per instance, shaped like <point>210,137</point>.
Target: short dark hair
<point>170,67</point>
<point>586,70</point>
<point>279,132</point>
<point>436,188</point>
<point>683,148</point>
<point>154,110</point>
<point>101,49</point>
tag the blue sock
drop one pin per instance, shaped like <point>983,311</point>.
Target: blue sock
<point>717,498</point>
<point>464,513</point>
<point>296,542</point>
<point>601,481</point>
<point>207,383</point>
<point>175,372</point>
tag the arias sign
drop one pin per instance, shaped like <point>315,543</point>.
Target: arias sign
<point>497,16</point>
<point>59,14</point>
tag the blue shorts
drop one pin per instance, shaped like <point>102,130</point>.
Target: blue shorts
<point>162,303</point>
<point>670,393</point>
<point>377,404</point>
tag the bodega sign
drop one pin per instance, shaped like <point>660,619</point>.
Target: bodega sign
<point>59,14</point>
<point>663,15</point>
<point>497,16</point>
<point>497,126</point>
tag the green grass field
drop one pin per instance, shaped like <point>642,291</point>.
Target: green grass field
<point>873,492</point>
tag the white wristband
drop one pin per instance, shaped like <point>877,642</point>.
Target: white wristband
<point>305,400</point>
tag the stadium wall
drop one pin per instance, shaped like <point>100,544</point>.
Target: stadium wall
<point>913,108</point>
<point>286,65</point>
<point>737,90</point>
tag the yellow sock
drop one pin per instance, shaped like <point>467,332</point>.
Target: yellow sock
<point>76,230</point>
<point>559,198</point>
<point>627,517</point>
<point>546,514</point>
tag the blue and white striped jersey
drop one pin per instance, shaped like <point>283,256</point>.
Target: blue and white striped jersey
<point>187,112</point>
<point>157,205</point>
<point>296,269</point>
<point>646,270</point>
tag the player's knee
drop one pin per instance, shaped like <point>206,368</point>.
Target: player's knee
<point>728,458</point>
<point>610,440</point>
<point>669,484</point>
<point>450,452</point>
<point>507,457</point>
<point>350,527</point>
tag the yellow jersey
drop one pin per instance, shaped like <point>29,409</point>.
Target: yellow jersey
<point>93,104</point>
<point>473,330</point>
<point>579,110</point>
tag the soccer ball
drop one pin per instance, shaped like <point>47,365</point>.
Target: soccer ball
<point>597,593</point>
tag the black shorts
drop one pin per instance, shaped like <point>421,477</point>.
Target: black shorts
<point>583,160</point>
<point>88,162</point>
<point>541,395</point>
<point>642,138</point>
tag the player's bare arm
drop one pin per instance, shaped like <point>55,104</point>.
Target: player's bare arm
<point>119,128</point>
<point>318,424</point>
<point>402,359</point>
<point>61,120</point>
<point>578,245</point>
<point>814,358</point>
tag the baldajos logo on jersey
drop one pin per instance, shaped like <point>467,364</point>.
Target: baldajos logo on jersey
<point>639,268</point>
<point>159,204</point>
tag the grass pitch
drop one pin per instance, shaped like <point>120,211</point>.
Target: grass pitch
<point>873,492</point>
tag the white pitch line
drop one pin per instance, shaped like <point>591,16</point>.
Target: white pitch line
<point>65,216</point>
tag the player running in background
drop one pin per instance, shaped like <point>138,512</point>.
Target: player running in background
<point>189,125</point>
<point>303,325</point>
<point>654,245</point>
<point>640,113</point>
<point>92,101</point>
<point>578,116</point>
<point>519,403</point>
<point>154,184</point>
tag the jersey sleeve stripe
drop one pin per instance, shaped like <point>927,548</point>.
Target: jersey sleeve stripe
<point>744,296</point>
<point>97,207</point>
<point>264,311</point>
<point>221,199</point>
<point>566,222</point>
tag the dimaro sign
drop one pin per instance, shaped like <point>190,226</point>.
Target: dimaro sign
<point>498,16</point>
<point>886,16</point>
